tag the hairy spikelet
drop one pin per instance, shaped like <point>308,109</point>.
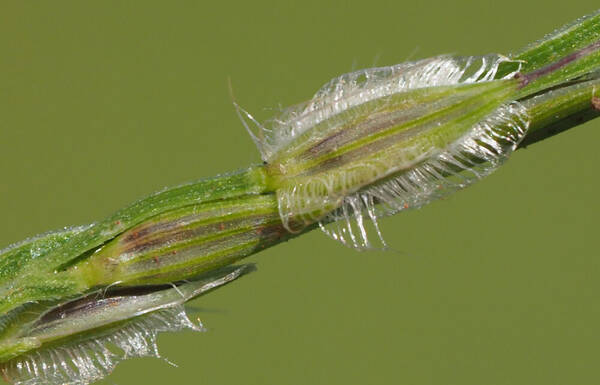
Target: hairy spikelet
<point>82,341</point>
<point>389,124</point>
<point>84,360</point>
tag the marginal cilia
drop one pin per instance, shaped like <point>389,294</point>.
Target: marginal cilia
<point>370,143</point>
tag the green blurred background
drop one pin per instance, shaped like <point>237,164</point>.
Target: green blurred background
<point>104,102</point>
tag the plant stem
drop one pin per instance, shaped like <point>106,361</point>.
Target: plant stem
<point>559,110</point>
